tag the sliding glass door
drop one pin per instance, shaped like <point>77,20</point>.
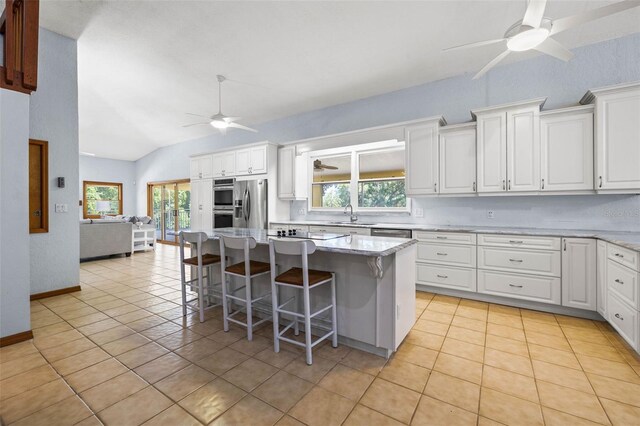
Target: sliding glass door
<point>169,204</point>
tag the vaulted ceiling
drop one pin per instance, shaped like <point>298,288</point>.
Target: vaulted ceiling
<point>143,64</point>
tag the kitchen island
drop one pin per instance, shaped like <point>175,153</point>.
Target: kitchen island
<point>375,282</point>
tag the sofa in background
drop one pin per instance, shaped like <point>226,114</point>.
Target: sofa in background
<point>106,237</point>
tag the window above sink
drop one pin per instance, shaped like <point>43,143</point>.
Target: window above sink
<point>370,177</point>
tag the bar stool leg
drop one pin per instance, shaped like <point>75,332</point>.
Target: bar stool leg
<point>184,290</point>
<point>334,314</point>
<point>274,317</point>
<point>296,327</point>
<point>307,325</point>
<point>200,294</point>
<point>225,305</point>
<point>247,287</point>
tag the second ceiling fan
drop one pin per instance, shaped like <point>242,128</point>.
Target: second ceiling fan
<point>219,120</point>
<point>534,31</point>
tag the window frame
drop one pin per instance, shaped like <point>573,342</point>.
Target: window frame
<point>88,183</point>
<point>355,151</point>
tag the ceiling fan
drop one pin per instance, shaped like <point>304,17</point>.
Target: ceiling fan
<point>219,120</point>
<point>534,31</point>
<point>317,165</point>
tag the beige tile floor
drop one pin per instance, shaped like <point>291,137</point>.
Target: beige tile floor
<point>120,353</point>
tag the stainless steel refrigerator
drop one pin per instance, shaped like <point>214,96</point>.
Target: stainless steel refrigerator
<point>250,204</point>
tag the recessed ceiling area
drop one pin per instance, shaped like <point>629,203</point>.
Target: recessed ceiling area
<point>143,64</point>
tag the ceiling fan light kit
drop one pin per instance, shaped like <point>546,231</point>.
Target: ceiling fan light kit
<point>534,31</point>
<point>220,121</point>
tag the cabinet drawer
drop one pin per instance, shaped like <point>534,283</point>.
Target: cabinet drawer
<point>624,256</point>
<point>537,262</point>
<point>624,319</point>
<point>623,281</point>
<point>445,254</point>
<point>445,237</point>
<point>538,289</point>
<point>519,241</point>
<point>446,276</point>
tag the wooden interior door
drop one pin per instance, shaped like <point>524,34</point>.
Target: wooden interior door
<point>38,186</point>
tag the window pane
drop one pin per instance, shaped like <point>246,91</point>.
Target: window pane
<point>381,179</point>
<point>331,181</point>
<point>102,192</point>
<point>382,193</point>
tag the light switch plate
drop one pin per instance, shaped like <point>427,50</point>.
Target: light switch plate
<point>491,214</point>
<point>61,208</point>
<point>419,212</point>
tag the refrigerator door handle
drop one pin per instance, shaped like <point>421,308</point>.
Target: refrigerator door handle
<point>244,205</point>
<point>248,206</point>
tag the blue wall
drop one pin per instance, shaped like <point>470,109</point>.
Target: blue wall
<point>53,116</point>
<point>107,170</point>
<point>611,62</point>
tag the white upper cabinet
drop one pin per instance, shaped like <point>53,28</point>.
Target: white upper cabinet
<point>202,204</point>
<point>508,138</point>
<point>566,149</point>
<point>224,164</point>
<point>617,136</point>
<point>421,151</point>
<point>202,167</point>
<point>458,159</point>
<point>523,149</point>
<point>251,161</point>
<point>492,152</point>
<point>292,174</point>
<point>579,286</point>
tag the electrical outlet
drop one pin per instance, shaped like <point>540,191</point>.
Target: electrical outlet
<point>490,214</point>
<point>60,208</point>
<point>418,212</point>
<point>302,211</point>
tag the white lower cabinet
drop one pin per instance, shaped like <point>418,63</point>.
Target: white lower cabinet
<point>624,319</point>
<point>446,260</point>
<point>343,230</point>
<point>579,288</point>
<point>601,277</point>
<point>201,205</point>
<point>446,276</point>
<point>520,286</point>
<point>537,262</point>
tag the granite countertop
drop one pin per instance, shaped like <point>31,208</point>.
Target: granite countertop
<point>353,244</point>
<point>630,240</point>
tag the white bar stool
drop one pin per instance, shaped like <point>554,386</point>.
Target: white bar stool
<point>200,261</point>
<point>247,269</point>
<point>304,279</point>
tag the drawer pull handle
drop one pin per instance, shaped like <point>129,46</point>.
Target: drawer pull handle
<point>442,276</point>
<point>441,237</point>
<point>619,317</point>
<point>516,286</point>
<point>516,241</point>
<point>619,281</point>
<point>618,255</point>
<point>515,260</point>
<point>441,254</point>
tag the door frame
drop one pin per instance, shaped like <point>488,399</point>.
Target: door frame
<point>150,186</point>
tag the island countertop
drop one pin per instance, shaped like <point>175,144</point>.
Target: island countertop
<point>362,245</point>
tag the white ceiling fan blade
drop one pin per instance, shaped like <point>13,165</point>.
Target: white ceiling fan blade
<point>479,43</point>
<point>231,119</point>
<point>197,115</point>
<point>555,49</point>
<point>240,126</point>
<point>535,12</point>
<point>195,124</point>
<point>491,64</point>
<point>563,24</point>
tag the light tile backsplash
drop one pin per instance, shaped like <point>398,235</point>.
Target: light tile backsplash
<point>597,212</point>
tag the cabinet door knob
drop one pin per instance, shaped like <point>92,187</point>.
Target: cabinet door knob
<point>619,281</point>
<point>509,184</point>
<point>503,185</point>
<point>515,286</point>
<point>600,184</point>
<point>442,276</point>
<point>474,187</point>
<point>441,254</point>
<point>619,317</point>
<point>542,183</point>
<point>515,260</point>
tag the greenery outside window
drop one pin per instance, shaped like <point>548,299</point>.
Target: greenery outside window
<point>94,192</point>
<point>371,177</point>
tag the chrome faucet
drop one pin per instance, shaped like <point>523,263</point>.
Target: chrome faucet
<point>352,217</point>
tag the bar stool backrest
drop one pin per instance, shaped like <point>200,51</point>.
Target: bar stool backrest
<point>302,248</point>
<point>195,239</point>
<point>237,243</point>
